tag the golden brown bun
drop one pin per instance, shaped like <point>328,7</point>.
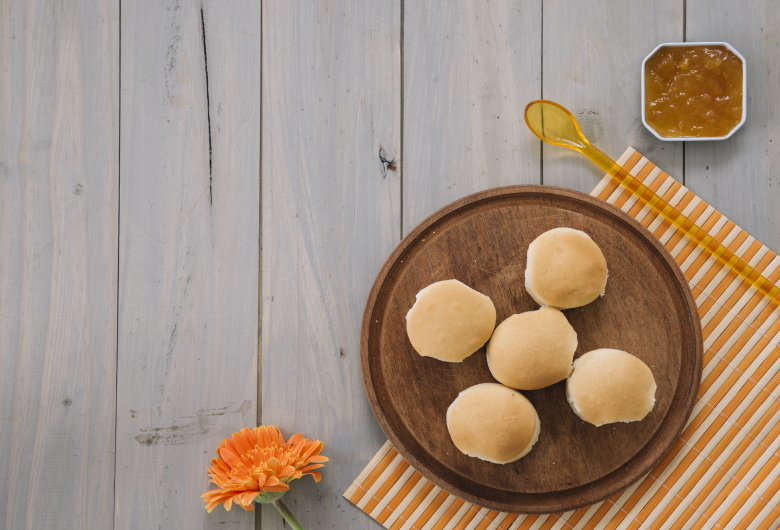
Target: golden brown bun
<point>532,350</point>
<point>493,422</point>
<point>450,321</point>
<point>607,386</point>
<point>565,269</point>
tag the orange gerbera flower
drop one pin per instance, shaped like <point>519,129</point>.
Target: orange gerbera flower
<point>256,461</point>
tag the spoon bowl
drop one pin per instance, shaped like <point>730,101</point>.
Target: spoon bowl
<point>554,124</point>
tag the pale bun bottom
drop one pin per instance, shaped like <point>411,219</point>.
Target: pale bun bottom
<point>527,448</point>
<point>579,414</point>
<point>639,415</point>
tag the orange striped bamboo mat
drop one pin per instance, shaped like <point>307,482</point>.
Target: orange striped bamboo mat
<point>723,472</point>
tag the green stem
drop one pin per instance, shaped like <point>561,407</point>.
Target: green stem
<point>295,525</point>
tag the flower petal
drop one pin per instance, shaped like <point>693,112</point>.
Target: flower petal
<point>230,458</point>
<point>300,445</point>
<point>276,435</point>
<point>231,446</point>
<point>222,464</point>
<point>271,481</point>
<point>248,497</point>
<point>217,500</point>
<point>241,442</point>
<point>286,471</point>
<point>210,492</point>
<point>274,484</point>
<point>280,487</point>
<point>263,438</point>
<point>315,449</point>
<point>251,436</point>
<point>218,473</point>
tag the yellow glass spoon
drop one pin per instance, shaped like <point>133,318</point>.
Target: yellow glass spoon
<point>557,126</point>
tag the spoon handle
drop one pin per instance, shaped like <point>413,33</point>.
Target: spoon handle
<point>699,235</point>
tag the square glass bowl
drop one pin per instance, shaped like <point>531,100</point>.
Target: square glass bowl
<point>696,138</point>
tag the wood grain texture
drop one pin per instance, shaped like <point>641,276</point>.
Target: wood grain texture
<point>741,175</point>
<point>58,243</point>
<point>593,53</point>
<point>331,115</point>
<point>189,225</point>
<point>481,240</point>
<point>469,70</point>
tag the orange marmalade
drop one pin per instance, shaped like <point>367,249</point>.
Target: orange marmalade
<point>693,91</point>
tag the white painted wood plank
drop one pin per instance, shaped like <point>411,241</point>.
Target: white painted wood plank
<point>331,215</point>
<point>741,175</point>
<point>59,89</point>
<point>593,53</point>
<point>469,70</point>
<point>189,256</point>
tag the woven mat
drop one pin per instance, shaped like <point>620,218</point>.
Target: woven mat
<point>723,472</point>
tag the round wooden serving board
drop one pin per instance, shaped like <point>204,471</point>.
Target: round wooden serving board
<point>482,241</point>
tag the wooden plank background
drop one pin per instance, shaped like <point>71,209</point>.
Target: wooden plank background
<point>188,255</point>
<point>143,181</point>
<point>469,70</point>
<point>331,214</point>
<point>58,261</point>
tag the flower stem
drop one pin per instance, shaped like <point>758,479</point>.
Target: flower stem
<point>295,525</point>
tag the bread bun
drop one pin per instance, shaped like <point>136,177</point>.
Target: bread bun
<point>565,269</point>
<point>607,386</point>
<point>450,321</point>
<point>492,422</point>
<point>532,350</point>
